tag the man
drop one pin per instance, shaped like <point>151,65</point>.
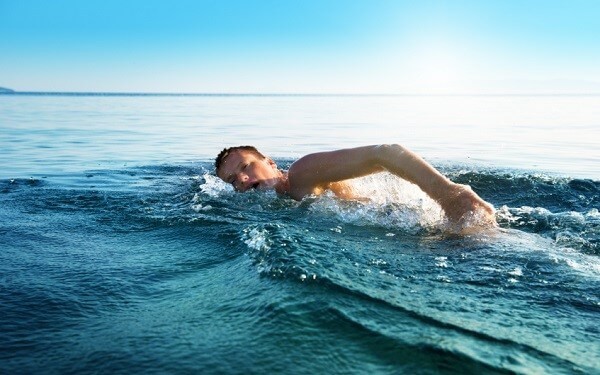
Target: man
<point>246,168</point>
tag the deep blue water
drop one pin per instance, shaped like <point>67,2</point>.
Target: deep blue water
<point>121,251</point>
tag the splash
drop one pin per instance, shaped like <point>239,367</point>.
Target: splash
<point>270,247</point>
<point>386,201</point>
<point>257,239</point>
<point>213,186</point>
<point>383,200</point>
<point>569,229</point>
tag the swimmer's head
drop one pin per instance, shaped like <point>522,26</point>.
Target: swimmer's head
<point>246,168</point>
<point>228,151</point>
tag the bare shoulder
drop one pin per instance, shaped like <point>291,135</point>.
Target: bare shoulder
<point>322,170</point>
<point>308,164</point>
<point>303,172</point>
<point>301,181</point>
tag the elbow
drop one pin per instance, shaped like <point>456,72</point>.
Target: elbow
<point>393,147</point>
<point>390,152</point>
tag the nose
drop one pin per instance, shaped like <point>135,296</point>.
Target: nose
<point>242,181</point>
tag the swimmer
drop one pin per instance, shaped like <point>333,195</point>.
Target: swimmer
<point>246,168</point>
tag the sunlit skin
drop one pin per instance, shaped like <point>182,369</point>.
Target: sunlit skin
<point>245,170</point>
<point>318,172</point>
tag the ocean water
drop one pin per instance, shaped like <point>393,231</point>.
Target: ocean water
<point>122,252</point>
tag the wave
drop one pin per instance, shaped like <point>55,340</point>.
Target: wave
<point>444,285</point>
<point>561,213</point>
<point>561,209</point>
<point>383,271</point>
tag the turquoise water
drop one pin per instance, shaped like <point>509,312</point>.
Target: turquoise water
<point>121,252</point>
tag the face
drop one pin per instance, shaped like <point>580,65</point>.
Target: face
<point>246,170</point>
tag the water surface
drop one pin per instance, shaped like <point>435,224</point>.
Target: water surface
<point>122,252</point>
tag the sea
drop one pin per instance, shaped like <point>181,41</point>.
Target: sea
<point>121,251</point>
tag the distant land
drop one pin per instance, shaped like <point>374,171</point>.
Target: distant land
<point>5,90</point>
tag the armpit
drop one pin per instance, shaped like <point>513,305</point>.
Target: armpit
<point>343,190</point>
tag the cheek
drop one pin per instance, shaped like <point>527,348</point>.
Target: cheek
<point>268,170</point>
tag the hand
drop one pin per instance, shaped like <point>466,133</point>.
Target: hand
<point>466,211</point>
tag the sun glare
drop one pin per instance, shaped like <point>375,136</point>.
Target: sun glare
<point>435,63</point>
<point>439,68</point>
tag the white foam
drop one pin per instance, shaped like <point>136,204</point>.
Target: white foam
<point>441,262</point>
<point>593,215</point>
<point>336,229</point>
<point>199,207</point>
<point>256,238</point>
<point>555,251</point>
<point>444,279</point>
<point>583,263</point>
<point>258,241</point>
<point>390,202</point>
<point>516,272</point>
<point>492,269</point>
<point>532,214</point>
<point>513,214</point>
<point>378,262</point>
<point>214,187</point>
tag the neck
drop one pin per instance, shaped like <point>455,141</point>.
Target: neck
<point>283,185</point>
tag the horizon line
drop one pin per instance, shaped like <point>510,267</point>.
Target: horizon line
<point>283,94</point>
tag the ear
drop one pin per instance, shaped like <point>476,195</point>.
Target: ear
<point>272,163</point>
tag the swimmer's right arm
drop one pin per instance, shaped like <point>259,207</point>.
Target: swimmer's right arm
<point>317,170</point>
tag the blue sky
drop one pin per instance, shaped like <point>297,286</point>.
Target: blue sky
<point>309,46</point>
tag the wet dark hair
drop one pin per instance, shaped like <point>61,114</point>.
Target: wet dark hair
<point>226,151</point>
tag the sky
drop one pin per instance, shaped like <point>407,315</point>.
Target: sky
<point>308,46</point>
